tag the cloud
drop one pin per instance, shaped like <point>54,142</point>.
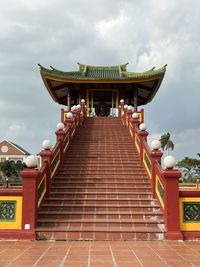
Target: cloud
<point>61,33</point>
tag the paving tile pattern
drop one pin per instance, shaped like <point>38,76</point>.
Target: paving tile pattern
<point>100,253</point>
<point>101,192</point>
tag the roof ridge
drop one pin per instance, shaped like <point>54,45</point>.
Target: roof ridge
<point>111,67</point>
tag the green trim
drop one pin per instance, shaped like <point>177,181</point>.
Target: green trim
<point>160,191</point>
<point>147,164</point>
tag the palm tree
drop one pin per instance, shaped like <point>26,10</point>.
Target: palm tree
<point>166,143</point>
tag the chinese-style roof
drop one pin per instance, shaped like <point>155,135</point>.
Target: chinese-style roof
<point>56,80</point>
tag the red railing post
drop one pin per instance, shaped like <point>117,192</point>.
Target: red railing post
<point>62,115</point>
<point>29,204</point>
<point>134,123</point>
<point>171,204</point>
<point>69,123</point>
<point>156,156</point>
<point>121,108</point>
<point>142,115</point>
<point>60,134</point>
<point>128,114</point>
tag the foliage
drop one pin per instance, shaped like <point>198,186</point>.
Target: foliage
<point>191,169</point>
<point>166,143</point>
<point>11,169</point>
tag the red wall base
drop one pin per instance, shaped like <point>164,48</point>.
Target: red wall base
<point>191,235</point>
<point>173,236</point>
<point>17,234</point>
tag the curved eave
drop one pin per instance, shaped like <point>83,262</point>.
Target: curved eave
<point>156,76</point>
<point>94,80</point>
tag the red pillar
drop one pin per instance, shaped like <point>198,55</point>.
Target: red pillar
<point>29,204</point>
<point>171,204</point>
<point>62,115</point>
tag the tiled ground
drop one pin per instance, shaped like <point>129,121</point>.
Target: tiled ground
<point>96,254</point>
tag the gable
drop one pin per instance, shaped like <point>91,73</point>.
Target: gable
<point>7,148</point>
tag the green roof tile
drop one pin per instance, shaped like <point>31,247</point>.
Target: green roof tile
<point>87,72</point>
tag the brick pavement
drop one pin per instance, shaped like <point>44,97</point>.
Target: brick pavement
<point>100,253</point>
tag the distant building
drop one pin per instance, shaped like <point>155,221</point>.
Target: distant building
<point>12,152</point>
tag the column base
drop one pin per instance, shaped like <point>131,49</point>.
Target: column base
<point>173,235</point>
<point>17,235</point>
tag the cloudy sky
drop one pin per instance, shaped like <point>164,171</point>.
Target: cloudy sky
<point>60,33</point>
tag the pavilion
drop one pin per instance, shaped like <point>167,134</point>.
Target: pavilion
<point>102,87</point>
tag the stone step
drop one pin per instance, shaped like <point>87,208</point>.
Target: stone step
<point>94,190</point>
<point>91,185</point>
<point>145,215</point>
<point>100,233</point>
<point>99,195</point>
<point>68,207</point>
<point>106,223</point>
<point>98,180</point>
<point>99,201</point>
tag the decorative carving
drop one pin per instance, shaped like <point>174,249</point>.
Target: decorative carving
<point>191,212</point>
<point>7,211</point>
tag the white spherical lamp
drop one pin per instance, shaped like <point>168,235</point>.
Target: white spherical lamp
<point>78,106</point>
<point>142,127</point>
<point>122,101</point>
<point>130,108</point>
<point>31,161</point>
<point>60,126</point>
<point>169,162</point>
<point>125,106</point>
<point>82,101</point>
<point>74,108</point>
<point>135,115</point>
<point>155,144</point>
<point>46,144</point>
<point>69,115</point>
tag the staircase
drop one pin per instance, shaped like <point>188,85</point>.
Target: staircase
<point>100,192</point>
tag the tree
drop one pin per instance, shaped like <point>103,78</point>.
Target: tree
<point>11,169</point>
<point>190,168</point>
<point>166,143</point>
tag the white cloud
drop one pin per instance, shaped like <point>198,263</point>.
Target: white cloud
<point>61,33</point>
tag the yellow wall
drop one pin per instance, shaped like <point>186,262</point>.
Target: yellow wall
<point>188,226</point>
<point>17,223</point>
